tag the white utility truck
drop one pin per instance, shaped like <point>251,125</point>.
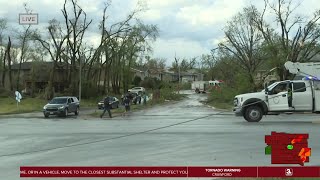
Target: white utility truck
<point>274,99</point>
<point>199,86</point>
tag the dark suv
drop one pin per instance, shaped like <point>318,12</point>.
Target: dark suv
<point>62,106</point>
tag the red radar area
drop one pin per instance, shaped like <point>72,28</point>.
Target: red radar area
<point>288,148</point>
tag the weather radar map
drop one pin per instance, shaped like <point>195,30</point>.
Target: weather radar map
<point>286,148</point>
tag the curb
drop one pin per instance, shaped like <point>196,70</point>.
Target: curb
<point>221,110</point>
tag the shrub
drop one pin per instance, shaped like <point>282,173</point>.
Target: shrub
<point>5,93</point>
<point>148,83</point>
<point>136,81</point>
<point>169,94</point>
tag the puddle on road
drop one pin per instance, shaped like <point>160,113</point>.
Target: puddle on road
<point>194,100</point>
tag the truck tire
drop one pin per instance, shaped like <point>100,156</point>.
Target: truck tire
<point>253,114</point>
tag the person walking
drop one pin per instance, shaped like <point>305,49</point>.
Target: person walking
<point>144,98</point>
<point>126,103</point>
<point>107,107</point>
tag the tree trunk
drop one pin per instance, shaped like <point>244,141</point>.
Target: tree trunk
<point>24,41</point>
<point>108,80</point>
<point>18,78</point>
<point>105,79</point>
<point>9,65</point>
<point>99,79</point>
<point>252,81</point>
<point>4,67</point>
<point>33,81</point>
<point>124,79</point>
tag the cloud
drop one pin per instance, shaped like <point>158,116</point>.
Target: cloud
<point>187,27</point>
<point>200,15</point>
<point>183,48</point>
<point>152,4</point>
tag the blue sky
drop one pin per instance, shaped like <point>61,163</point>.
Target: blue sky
<point>188,28</point>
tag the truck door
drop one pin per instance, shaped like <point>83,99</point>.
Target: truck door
<point>301,97</point>
<point>278,97</point>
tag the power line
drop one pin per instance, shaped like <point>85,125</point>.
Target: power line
<point>108,139</point>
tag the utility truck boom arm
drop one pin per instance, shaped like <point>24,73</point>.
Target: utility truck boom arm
<point>309,69</point>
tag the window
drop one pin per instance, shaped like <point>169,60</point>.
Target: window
<point>69,100</point>
<point>299,87</point>
<point>280,88</point>
<point>317,85</point>
<point>72,100</point>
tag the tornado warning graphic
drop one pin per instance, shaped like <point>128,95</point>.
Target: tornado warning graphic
<point>288,148</point>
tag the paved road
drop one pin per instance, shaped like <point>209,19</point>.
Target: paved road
<point>203,136</point>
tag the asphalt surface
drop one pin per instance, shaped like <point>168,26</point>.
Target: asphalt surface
<point>185,133</point>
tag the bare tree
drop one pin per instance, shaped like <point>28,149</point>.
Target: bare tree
<point>24,38</point>
<point>244,42</point>
<point>297,40</point>
<point>3,27</point>
<point>54,45</point>
<point>76,26</point>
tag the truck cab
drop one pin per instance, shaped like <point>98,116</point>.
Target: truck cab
<point>284,96</point>
<point>275,99</point>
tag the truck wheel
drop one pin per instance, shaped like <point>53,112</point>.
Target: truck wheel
<point>253,114</point>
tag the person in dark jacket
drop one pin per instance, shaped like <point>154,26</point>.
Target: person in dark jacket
<point>126,103</point>
<point>107,107</point>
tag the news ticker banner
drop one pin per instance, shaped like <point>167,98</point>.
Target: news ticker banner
<point>165,172</point>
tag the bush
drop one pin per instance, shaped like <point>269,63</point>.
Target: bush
<point>148,83</point>
<point>183,86</point>
<point>5,93</point>
<point>89,90</point>
<point>222,98</point>
<point>169,94</point>
<point>242,84</point>
<point>136,81</point>
<point>186,86</point>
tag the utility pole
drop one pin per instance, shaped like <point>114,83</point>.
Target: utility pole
<point>179,79</point>
<point>175,58</point>
<point>80,78</point>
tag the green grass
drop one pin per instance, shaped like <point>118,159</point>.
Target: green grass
<point>9,105</point>
<point>222,99</point>
<point>92,102</point>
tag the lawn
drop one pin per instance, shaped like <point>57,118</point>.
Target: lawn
<point>9,105</point>
<point>222,99</point>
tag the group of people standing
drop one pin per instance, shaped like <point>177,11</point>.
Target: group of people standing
<point>126,101</point>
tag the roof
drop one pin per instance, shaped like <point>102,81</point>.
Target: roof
<point>29,65</point>
<point>139,69</point>
<point>156,71</point>
<point>65,97</point>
